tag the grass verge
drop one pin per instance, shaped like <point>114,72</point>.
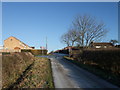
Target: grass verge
<point>108,76</point>
<point>40,75</point>
<point>13,66</point>
<point>23,70</point>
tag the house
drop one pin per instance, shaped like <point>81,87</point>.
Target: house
<point>101,45</point>
<point>118,46</point>
<point>70,48</point>
<point>12,43</point>
<point>1,47</point>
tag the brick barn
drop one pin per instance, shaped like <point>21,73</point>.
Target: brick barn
<point>12,43</point>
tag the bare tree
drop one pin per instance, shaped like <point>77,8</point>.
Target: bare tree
<point>73,36</point>
<point>89,29</point>
<point>65,38</point>
<point>70,37</point>
<point>85,29</point>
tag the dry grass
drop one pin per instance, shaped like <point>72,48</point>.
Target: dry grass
<point>13,66</point>
<point>40,75</point>
<point>23,70</point>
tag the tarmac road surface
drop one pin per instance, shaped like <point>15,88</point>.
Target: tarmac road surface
<point>68,75</point>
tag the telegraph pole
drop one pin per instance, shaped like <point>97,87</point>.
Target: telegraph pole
<point>46,43</point>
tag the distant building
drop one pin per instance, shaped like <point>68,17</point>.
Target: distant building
<point>33,47</point>
<point>101,45</point>
<point>1,47</point>
<point>69,47</point>
<point>13,43</point>
<point>118,46</point>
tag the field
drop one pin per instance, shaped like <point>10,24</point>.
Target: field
<point>23,70</point>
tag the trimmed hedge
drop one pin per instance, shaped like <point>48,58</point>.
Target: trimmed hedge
<point>35,51</point>
<point>107,59</point>
<point>64,51</point>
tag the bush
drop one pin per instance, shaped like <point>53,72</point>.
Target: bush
<point>35,51</point>
<point>108,59</point>
<point>64,51</point>
<point>103,62</point>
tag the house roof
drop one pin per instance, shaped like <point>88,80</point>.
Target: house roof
<point>102,43</point>
<point>71,47</point>
<point>18,40</point>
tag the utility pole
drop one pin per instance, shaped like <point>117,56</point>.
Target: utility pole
<point>46,43</point>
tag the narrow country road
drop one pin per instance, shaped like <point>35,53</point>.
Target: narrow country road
<point>68,75</point>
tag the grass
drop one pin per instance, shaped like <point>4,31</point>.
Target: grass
<point>23,70</point>
<point>40,75</point>
<point>13,65</point>
<point>114,79</point>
